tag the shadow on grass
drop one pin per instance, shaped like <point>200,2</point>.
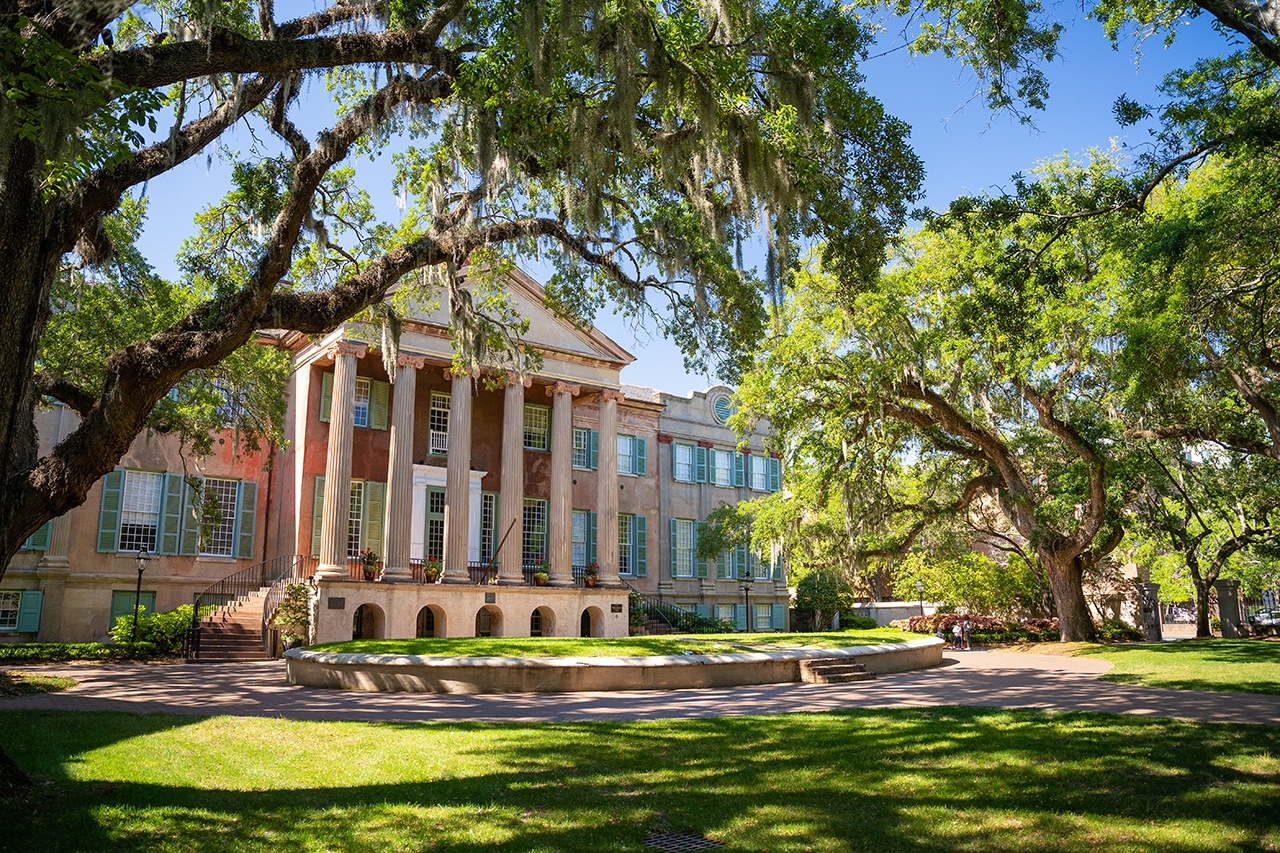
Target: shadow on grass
<point>928,780</point>
<point>1239,666</point>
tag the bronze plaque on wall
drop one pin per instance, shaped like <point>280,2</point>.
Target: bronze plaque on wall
<point>337,604</point>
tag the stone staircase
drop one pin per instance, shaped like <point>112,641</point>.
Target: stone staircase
<point>832,671</point>
<point>234,631</point>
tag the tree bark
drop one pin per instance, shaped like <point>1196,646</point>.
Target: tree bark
<point>1203,632</point>
<point>1064,573</point>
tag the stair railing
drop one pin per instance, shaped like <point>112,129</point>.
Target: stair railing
<point>232,588</point>
<point>302,571</point>
<point>678,618</point>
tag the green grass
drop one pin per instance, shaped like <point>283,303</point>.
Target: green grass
<point>619,647</point>
<point>1242,666</point>
<point>14,683</point>
<point>942,779</point>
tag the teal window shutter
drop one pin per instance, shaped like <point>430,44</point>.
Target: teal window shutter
<point>379,395</point>
<point>326,396</point>
<point>673,547</point>
<point>248,520</point>
<point>733,564</point>
<point>638,459</point>
<point>171,514</point>
<point>739,469</point>
<point>191,520</point>
<point>775,474</point>
<point>740,616</point>
<point>109,516</point>
<point>722,566</point>
<point>317,515</point>
<point>744,566</point>
<point>700,566</point>
<point>375,500</point>
<point>591,540</point>
<point>38,541</point>
<point>641,563</point>
<point>703,610</point>
<point>778,622</point>
<point>29,610</point>
<point>700,464</point>
<point>595,449</point>
<point>752,563</point>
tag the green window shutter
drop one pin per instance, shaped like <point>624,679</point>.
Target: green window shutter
<point>740,616</point>
<point>744,567</point>
<point>699,566</point>
<point>673,460</point>
<point>326,396</point>
<point>591,538</point>
<point>638,460</point>
<point>317,516</point>
<point>595,449</point>
<point>673,547</point>
<point>641,563</point>
<point>733,564</point>
<point>739,469</point>
<point>109,517</point>
<point>375,501</point>
<point>248,521</point>
<point>379,394</point>
<point>778,620</point>
<point>752,562</point>
<point>38,541</point>
<point>700,464</point>
<point>722,565</point>
<point>775,474</point>
<point>171,514</point>
<point>703,610</point>
<point>191,521</point>
<point>29,610</point>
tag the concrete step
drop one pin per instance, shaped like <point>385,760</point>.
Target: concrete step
<point>832,671</point>
<point>844,678</point>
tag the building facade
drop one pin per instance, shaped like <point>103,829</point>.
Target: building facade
<point>488,478</point>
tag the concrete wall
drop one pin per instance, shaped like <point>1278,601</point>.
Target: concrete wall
<point>417,674</point>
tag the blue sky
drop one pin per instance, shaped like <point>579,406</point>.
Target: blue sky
<point>965,148</point>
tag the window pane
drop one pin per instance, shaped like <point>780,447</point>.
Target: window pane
<point>536,422</point>
<point>362,403</point>
<point>535,530</point>
<point>140,511</point>
<point>439,423</point>
<point>684,462</point>
<point>220,517</point>
<point>625,528</point>
<point>762,617</point>
<point>724,468</point>
<point>488,514</point>
<point>581,448</point>
<point>684,548</point>
<point>353,521</point>
<point>758,473</point>
<point>625,445</point>
<point>580,523</point>
<point>9,602</point>
<point>724,611</point>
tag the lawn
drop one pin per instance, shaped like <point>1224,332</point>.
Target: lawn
<point>619,647</point>
<point>941,780</point>
<point>15,683</point>
<point>1242,666</point>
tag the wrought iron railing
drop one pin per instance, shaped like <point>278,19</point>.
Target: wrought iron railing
<point>233,588</point>
<point>680,619</point>
<point>302,572</point>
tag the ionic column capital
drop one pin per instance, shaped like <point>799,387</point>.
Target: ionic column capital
<point>663,438</point>
<point>462,372</point>
<point>514,378</point>
<point>347,348</point>
<point>405,359</point>
<point>615,396</point>
<point>563,388</point>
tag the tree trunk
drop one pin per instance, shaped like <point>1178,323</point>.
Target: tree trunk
<point>1203,632</point>
<point>1074,623</point>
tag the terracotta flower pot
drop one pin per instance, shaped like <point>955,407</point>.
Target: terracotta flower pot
<point>589,581</point>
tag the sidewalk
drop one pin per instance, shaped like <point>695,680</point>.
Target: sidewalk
<point>976,678</point>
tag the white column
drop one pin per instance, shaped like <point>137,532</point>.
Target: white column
<point>511,497</point>
<point>607,490</point>
<point>337,468</point>
<point>560,509</point>
<point>399,524</point>
<point>457,484</point>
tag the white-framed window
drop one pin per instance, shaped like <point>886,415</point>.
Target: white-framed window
<point>724,612</point>
<point>220,517</point>
<point>439,423</point>
<point>535,531</point>
<point>626,454</point>
<point>581,526</point>
<point>488,523</point>
<point>537,427</point>
<point>683,548</point>
<point>626,543</point>
<point>435,524</point>
<point>140,511</point>
<point>761,567</point>
<point>722,467</point>
<point>354,520</point>
<point>683,462</point>
<point>10,603</point>
<point>759,472</point>
<point>764,621</point>
<point>361,416</point>
<point>581,447</point>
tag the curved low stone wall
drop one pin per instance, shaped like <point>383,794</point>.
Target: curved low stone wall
<point>420,674</point>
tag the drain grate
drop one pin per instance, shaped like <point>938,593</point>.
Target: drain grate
<point>679,842</point>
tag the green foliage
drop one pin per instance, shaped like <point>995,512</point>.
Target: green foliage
<point>36,652</point>
<point>851,622</point>
<point>824,593</point>
<point>970,580</point>
<point>293,616</point>
<point>164,631</point>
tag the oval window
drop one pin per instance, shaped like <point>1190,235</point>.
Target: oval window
<point>723,409</point>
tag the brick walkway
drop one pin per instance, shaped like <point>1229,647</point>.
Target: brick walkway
<point>977,678</point>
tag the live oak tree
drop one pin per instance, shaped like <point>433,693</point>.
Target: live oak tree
<point>634,142</point>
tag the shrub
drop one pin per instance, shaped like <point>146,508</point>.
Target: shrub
<point>986,629</point>
<point>1215,624</point>
<point>165,630</point>
<point>857,623</point>
<point>1116,629</point>
<point>33,652</point>
<point>293,616</point>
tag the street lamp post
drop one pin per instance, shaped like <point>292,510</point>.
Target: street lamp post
<point>746,593</point>
<point>141,562</point>
<point>920,594</point>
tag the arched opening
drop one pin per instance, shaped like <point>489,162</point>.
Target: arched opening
<point>584,629</point>
<point>431,622</point>
<point>488,621</point>
<point>542,622</point>
<point>367,623</point>
<point>589,626</point>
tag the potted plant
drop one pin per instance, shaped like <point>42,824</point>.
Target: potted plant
<point>591,575</point>
<point>293,616</point>
<point>369,563</point>
<point>540,578</point>
<point>431,570</point>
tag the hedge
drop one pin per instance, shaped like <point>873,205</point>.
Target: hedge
<point>35,652</point>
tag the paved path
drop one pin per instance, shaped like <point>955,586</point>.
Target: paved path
<point>978,678</point>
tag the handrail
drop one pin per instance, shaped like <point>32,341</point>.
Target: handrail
<point>233,587</point>
<point>303,570</point>
<point>684,619</point>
